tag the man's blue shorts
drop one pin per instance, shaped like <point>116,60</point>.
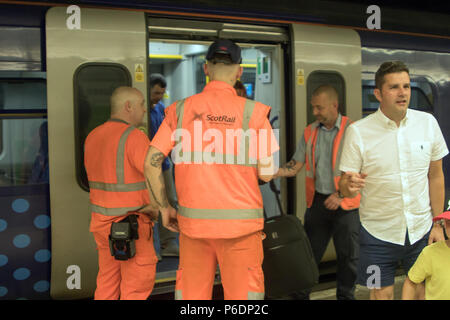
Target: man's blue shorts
<point>378,260</point>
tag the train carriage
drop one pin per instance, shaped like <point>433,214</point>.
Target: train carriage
<point>56,77</point>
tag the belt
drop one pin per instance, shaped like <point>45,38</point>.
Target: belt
<point>321,195</point>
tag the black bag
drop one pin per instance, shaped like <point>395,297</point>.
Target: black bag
<point>122,236</point>
<point>289,265</point>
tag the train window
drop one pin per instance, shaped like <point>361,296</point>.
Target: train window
<point>421,96</point>
<point>23,130</point>
<point>318,78</point>
<point>25,158</point>
<point>93,86</point>
<point>19,98</point>
<point>23,94</point>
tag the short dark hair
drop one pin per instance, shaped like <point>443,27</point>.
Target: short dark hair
<point>328,89</point>
<point>386,68</point>
<point>240,89</point>
<point>157,79</point>
<point>221,58</point>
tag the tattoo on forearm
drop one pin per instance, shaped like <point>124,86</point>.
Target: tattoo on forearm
<point>157,159</point>
<point>290,165</point>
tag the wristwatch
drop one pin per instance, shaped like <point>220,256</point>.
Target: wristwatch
<point>340,195</point>
<point>440,223</point>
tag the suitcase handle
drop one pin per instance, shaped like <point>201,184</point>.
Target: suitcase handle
<point>277,192</point>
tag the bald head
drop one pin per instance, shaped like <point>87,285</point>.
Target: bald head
<point>120,96</point>
<point>128,104</point>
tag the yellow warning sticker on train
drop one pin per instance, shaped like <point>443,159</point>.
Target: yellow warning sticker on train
<point>300,77</point>
<point>139,72</point>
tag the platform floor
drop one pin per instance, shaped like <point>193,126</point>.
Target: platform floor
<point>327,291</point>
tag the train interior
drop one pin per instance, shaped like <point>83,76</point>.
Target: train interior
<point>181,63</point>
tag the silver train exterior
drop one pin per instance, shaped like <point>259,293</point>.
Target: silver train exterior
<point>54,88</point>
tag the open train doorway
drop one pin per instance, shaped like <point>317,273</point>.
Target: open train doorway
<point>177,51</point>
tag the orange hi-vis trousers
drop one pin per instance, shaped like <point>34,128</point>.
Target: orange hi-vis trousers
<point>132,279</point>
<point>240,263</point>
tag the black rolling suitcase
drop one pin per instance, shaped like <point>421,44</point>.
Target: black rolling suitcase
<point>288,264</point>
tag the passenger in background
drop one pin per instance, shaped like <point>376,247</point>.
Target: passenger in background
<point>221,208</point>
<point>39,172</point>
<point>166,242</point>
<point>240,89</point>
<point>118,191</point>
<point>329,214</point>
<point>432,266</point>
<point>158,86</point>
<point>393,158</point>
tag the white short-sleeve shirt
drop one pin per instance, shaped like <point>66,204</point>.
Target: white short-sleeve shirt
<point>396,160</point>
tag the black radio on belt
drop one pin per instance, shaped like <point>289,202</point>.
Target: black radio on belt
<point>122,236</point>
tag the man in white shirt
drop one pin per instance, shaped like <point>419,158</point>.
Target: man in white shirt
<point>394,158</point>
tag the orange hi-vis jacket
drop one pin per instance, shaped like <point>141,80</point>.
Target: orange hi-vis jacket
<point>215,164</point>
<point>114,160</point>
<point>310,135</point>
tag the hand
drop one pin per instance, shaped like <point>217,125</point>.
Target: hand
<point>169,218</point>
<point>333,202</point>
<point>356,181</point>
<point>436,234</point>
<point>151,211</point>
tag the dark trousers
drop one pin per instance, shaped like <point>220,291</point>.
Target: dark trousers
<point>320,225</point>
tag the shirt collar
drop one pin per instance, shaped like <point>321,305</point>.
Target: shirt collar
<point>117,120</point>
<point>336,125</point>
<point>157,106</point>
<point>219,85</point>
<point>388,122</point>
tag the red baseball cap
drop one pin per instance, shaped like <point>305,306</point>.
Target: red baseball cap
<point>445,215</point>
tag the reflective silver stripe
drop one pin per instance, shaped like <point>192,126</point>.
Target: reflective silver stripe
<point>120,158</point>
<point>309,148</point>
<point>337,172</point>
<point>213,157</point>
<point>113,211</point>
<point>178,295</point>
<point>120,186</point>
<point>255,295</point>
<point>310,174</point>
<point>179,109</point>
<point>245,143</point>
<point>224,214</point>
<point>180,112</point>
<point>242,159</point>
<point>248,111</point>
<point>115,187</point>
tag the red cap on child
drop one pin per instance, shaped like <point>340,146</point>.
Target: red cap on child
<point>444,215</point>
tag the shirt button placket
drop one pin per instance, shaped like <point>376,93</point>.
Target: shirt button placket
<point>403,165</point>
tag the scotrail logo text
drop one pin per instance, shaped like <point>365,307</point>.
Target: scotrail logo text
<point>223,118</point>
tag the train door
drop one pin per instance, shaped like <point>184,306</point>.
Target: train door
<point>85,63</point>
<point>323,55</point>
<point>177,50</point>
